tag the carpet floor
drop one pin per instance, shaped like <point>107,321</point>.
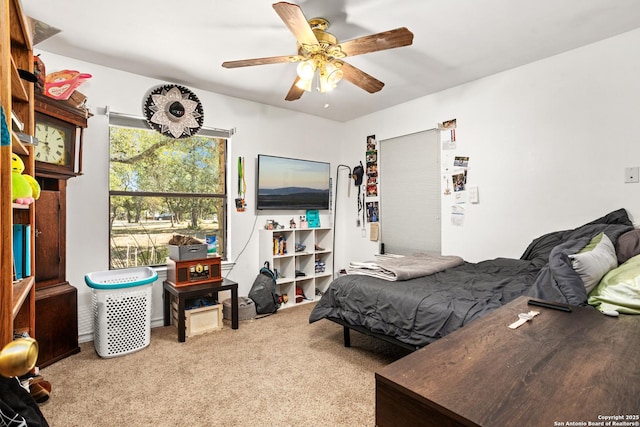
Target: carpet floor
<point>277,370</point>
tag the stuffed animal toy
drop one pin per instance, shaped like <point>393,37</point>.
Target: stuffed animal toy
<point>24,188</point>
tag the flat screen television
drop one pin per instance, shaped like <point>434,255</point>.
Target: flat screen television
<point>292,184</point>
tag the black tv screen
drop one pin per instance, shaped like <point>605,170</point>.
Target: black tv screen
<point>292,184</point>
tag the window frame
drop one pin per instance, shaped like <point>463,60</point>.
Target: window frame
<point>135,122</point>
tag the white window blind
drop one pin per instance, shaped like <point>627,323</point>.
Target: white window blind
<point>409,173</point>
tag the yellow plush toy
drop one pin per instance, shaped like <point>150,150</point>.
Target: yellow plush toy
<point>24,188</point>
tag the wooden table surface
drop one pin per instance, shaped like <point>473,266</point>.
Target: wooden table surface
<point>557,369</point>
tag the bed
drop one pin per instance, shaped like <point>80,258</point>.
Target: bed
<point>413,313</point>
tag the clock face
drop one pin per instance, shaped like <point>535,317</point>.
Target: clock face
<point>59,130</point>
<point>52,144</point>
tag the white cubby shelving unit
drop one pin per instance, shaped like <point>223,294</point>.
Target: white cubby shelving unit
<point>286,261</point>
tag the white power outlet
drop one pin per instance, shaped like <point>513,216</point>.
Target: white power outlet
<point>632,174</point>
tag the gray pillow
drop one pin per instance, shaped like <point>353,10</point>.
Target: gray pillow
<point>628,246</point>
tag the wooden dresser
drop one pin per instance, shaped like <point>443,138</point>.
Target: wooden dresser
<point>557,369</point>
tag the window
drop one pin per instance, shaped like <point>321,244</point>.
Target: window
<point>410,164</point>
<point>160,187</point>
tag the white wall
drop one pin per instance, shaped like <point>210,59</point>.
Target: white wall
<point>548,144</point>
<point>259,129</point>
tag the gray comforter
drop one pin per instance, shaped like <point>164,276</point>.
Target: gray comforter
<point>420,310</point>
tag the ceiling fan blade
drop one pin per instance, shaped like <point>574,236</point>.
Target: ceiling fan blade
<point>260,61</point>
<point>360,78</point>
<point>295,92</point>
<point>294,19</point>
<point>380,41</point>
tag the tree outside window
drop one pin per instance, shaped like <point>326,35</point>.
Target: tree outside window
<point>159,187</point>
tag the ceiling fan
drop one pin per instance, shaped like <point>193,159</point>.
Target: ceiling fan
<point>320,55</point>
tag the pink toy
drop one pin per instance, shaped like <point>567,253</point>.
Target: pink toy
<point>61,84</point>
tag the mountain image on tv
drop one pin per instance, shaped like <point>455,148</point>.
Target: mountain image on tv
<point>292,184</point>
<point>293,198</point>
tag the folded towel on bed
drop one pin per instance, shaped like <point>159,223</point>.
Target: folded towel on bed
<point>406,267</point>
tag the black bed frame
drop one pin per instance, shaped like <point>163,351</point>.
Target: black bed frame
<point>347,334</point>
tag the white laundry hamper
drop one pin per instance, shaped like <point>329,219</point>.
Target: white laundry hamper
<point>121,309</point>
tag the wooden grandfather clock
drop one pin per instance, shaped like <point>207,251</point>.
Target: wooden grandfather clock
<point>59,128</point>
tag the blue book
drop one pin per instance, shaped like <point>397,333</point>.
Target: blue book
<point>22,250</point>
<point>18,250</point>
<point>27,250</point>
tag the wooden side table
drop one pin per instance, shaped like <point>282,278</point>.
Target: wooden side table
<point>182,293</point>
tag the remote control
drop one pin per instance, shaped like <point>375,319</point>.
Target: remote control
<point>547,304</point>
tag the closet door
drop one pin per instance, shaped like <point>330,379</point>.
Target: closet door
<point>409,172</point>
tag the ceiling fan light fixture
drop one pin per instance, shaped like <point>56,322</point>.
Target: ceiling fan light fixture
<point>304,84</point>
<point>334,73</point>
<point>329,74</point>
<point>325,84</point>
<point>306,69</point>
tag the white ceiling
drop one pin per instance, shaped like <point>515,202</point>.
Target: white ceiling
<point>455,41</point>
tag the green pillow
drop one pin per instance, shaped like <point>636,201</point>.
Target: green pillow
<point>619,289</point>
<point>592,243</point>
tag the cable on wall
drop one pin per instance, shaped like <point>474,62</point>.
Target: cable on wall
<point>335,211</point>
<point>253,229</point>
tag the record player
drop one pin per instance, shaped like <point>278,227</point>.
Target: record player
<point>194,271</point>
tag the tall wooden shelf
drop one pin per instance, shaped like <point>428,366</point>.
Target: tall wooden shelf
<point>17,298</point>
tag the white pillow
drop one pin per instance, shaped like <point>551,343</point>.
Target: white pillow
<point>593,265</point>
